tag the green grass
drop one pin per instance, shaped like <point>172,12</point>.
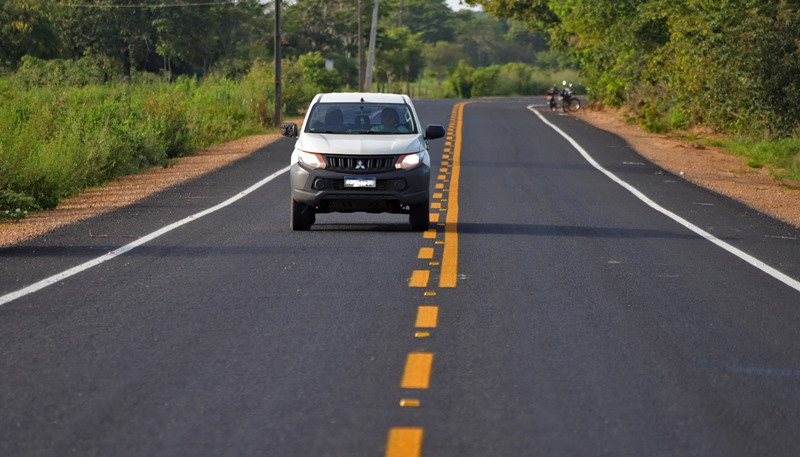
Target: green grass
<point>781,156</point>
<point>56,140</point>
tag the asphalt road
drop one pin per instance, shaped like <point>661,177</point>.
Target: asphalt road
<point>582,322</point>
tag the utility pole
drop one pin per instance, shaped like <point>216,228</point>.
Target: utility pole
<point>360,46</point>
<point>372,34</point>
<point>278,98</point>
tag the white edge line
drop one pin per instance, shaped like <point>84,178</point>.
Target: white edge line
<point>791,282</point>
<point>128,247</point>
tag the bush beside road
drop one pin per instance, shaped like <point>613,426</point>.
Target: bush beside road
<point>58,137</point>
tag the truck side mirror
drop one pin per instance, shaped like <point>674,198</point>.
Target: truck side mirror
<point>289,129</point>
<point>434,131</point>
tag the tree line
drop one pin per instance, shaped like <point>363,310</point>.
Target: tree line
<point>196,37</point>
<point>730,64</point>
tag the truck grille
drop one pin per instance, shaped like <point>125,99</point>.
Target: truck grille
<point>360,164</point>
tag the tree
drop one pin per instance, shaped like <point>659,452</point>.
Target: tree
<point>461,80</point>
<point>432,19</point>
<point>109,28</point>
<point>189,38</point>
<point>26,28</point>
<point>328,26</point>
<point>399,55</point>
<point>482,38</point>
<point>198,37</point>
<point>316,75</point>
<point>537,13</point>
<point>183,35</point>
<point>731,63</point>
<point>442,56</point>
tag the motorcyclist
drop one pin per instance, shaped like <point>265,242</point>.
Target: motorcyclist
<point>551,96</point>
<point>566,92</point>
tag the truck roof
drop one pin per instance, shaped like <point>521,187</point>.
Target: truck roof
<point>356,97</point>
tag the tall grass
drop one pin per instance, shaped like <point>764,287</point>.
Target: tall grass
<point>56,139</point>
<point>782,157</point>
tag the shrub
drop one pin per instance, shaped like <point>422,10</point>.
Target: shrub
<point>14,205</point>
<point>60,135</point>
<point>484,81</point>
<point>460,80</point>
<point>35,72</point>
<point>312,66</point>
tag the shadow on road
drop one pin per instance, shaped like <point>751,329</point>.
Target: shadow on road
<point>568,231</point>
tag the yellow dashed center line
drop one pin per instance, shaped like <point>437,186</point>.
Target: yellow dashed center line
<point>417,374</point>
<point>419,278</point>
<point>404,442</point>
<point>407,441</point>
<point>427,316</point>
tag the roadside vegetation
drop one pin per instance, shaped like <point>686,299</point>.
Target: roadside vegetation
<point>61,135</point>
<point>733,66</point>
<point>781,156</point>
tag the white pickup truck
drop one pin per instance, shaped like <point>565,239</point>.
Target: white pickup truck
<point>360,152</point>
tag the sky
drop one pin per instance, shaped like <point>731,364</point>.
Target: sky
<point>454,4</point>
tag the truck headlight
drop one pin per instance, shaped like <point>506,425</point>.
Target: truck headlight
<point>409,161</point>
<point>311,160</point>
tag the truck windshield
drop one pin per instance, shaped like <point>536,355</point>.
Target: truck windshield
<point>361,118</point>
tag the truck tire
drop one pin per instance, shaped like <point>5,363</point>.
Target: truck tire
<point>419,216</point>
<point>302,216</point>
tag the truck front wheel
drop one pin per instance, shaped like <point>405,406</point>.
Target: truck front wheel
<point>419,216</point>
<point>303,216</point>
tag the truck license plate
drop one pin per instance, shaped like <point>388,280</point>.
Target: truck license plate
<point>359,182</point>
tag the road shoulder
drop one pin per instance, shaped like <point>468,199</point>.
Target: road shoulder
<point>708,167</point>
<point>131,189</point>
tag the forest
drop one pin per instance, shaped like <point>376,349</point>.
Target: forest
<point>171,38</point>
<point>730,64</point>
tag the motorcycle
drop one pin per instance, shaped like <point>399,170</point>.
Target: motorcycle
<point>568,101</point>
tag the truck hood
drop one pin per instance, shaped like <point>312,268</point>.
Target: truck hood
<point>360,144</point>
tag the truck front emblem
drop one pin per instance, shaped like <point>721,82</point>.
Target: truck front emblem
<point>360,165</point>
